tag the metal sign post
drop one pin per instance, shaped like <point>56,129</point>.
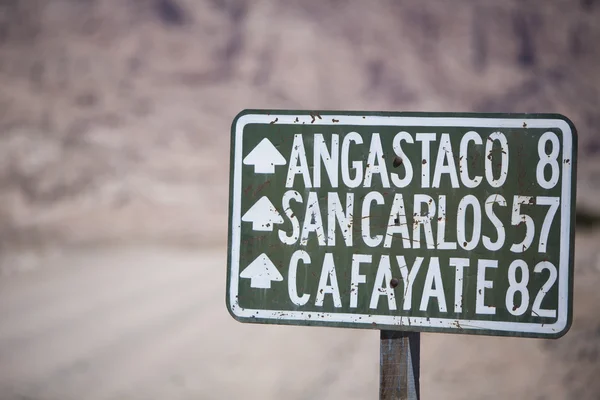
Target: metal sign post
<point>399,365</point>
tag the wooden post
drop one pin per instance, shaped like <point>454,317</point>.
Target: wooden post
<point>399,365</point>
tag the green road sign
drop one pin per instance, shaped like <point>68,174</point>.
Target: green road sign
<point>408,221</point>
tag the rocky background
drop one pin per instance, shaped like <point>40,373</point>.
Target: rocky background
<point>115,118</point>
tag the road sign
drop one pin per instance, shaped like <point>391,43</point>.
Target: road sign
<point>403,221</point>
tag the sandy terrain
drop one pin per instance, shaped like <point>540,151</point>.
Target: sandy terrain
<point>149,322</point>
<point>114,154</point>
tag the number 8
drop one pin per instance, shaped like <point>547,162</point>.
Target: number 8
<point>515,287</point>
<point>548,159</point>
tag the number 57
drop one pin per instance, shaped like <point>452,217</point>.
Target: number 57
<point>518,218</point>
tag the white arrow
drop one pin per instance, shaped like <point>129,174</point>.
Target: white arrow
<point>264,157</point>
<point>263,215</point>
<point>261,272</point>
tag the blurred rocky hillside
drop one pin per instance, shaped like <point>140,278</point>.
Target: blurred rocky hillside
<point>115,114</point>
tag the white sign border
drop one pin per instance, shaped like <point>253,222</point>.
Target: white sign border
<point>365,319</point>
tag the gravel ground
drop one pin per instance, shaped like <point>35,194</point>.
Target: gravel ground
<point>139,322</point>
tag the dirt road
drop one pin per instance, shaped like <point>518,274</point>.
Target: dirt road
<point>151,323</point>
<point>145,323</point>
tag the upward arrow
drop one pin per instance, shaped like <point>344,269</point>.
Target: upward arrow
<point>264,157</point>
<point>261,272</point>
<point>263,215</point>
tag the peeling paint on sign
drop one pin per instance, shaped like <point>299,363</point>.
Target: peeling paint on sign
<point>409,221</point>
